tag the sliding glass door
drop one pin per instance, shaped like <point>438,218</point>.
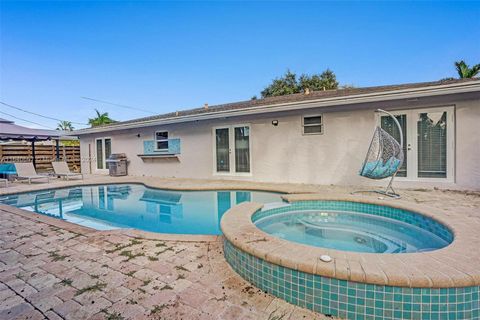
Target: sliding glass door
<point>232,149</point>
<point>429,142</point>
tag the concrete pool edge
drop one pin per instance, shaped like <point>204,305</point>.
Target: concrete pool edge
<point>83,230</point>
<point>453,266</point>
<point>173,184</point>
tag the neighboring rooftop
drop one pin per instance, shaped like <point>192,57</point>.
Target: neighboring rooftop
<point>11,131</point>
<point>266,103</point>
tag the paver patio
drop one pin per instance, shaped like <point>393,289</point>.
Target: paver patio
<point>55,273</point>
<point>53,269</point>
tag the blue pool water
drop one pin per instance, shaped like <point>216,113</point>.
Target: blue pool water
<point>106,207</point>
<point>353,231</point>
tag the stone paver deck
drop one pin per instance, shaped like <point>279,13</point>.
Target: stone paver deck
<point>57,270</point>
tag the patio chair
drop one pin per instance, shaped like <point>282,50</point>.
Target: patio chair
<point>26,171</point>
<point>4,181</point>
<point>61,169</point>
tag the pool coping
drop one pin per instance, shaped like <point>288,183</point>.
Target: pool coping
<point>173,184</point>
<point>455,265</point>
<point>132,233</point>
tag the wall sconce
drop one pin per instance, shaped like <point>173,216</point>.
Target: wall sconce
<point>275,123</point>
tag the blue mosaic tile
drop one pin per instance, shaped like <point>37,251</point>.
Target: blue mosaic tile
<point>353,300</point>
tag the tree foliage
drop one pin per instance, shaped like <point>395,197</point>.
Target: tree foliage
<point>465,71</point>
<point>288,83</point>
<point>100,119</point>
<point>327,80</point>
<point>65,126</point>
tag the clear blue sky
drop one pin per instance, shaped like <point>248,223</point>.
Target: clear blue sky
<point>166,56</point>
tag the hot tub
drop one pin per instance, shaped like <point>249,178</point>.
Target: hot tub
<point>354,273</point>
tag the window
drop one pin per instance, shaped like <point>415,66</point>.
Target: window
<point>312,124</point>
<point>161,140</point>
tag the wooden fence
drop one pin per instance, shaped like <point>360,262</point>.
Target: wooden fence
<point>44,155</point>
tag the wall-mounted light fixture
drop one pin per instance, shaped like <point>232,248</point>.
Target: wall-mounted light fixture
<point>275,123</point>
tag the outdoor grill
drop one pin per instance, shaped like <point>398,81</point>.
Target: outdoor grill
<point>117,164</point>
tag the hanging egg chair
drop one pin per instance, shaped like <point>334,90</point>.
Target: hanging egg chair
<point>384,156</point>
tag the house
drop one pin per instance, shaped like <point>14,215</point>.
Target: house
<point>318,137</point>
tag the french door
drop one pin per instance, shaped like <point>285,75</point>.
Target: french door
<point>428,136</point>
<point>232,150</point>
<point>103,150</point>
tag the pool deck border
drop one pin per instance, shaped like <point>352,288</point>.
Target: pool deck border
<point>453,266</point>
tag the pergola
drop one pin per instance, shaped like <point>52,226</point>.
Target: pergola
<point>9,131</point>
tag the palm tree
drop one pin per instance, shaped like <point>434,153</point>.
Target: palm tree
<point>65,126</point>
<point>100,119</point>
<point>464,70</point>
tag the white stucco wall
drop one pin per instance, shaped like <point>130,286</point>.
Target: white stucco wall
<point>467,142</point>
<point>283,154</point>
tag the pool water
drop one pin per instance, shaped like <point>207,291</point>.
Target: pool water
<point>351,231</point>
<point>114,206</point>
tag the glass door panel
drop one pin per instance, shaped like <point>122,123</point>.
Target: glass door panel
<point>432,144</point>
<point>390,126</point>
<point>242,149</point>
<point>99,154</point>
<point>222,139</point>
<point>103,151</point>
<point>108,150</point>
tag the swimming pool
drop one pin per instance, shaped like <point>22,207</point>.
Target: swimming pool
<point>114,206</point>
<point>356,227</point>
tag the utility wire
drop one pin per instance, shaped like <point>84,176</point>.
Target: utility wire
<point>37,114</point>
<point>119,105</point>
<point>7,114</point>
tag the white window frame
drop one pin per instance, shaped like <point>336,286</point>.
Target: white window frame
<point>231,144</point>
<point>104,170</point>
<point>312,125</point>
<point>412,139</point>
<point>161,140</point>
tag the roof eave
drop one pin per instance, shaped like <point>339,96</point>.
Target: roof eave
<point>410,93</point>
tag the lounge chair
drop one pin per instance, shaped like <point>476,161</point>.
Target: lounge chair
<point>4,181</point>
<point>61,169</point>
<point>26,171</point>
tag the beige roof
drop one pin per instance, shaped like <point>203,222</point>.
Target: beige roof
<point>266,103</point>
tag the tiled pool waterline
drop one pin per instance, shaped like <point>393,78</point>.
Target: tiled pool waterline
<point>114,206</point>
<point>293,271</point>
<point>354,300</point>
